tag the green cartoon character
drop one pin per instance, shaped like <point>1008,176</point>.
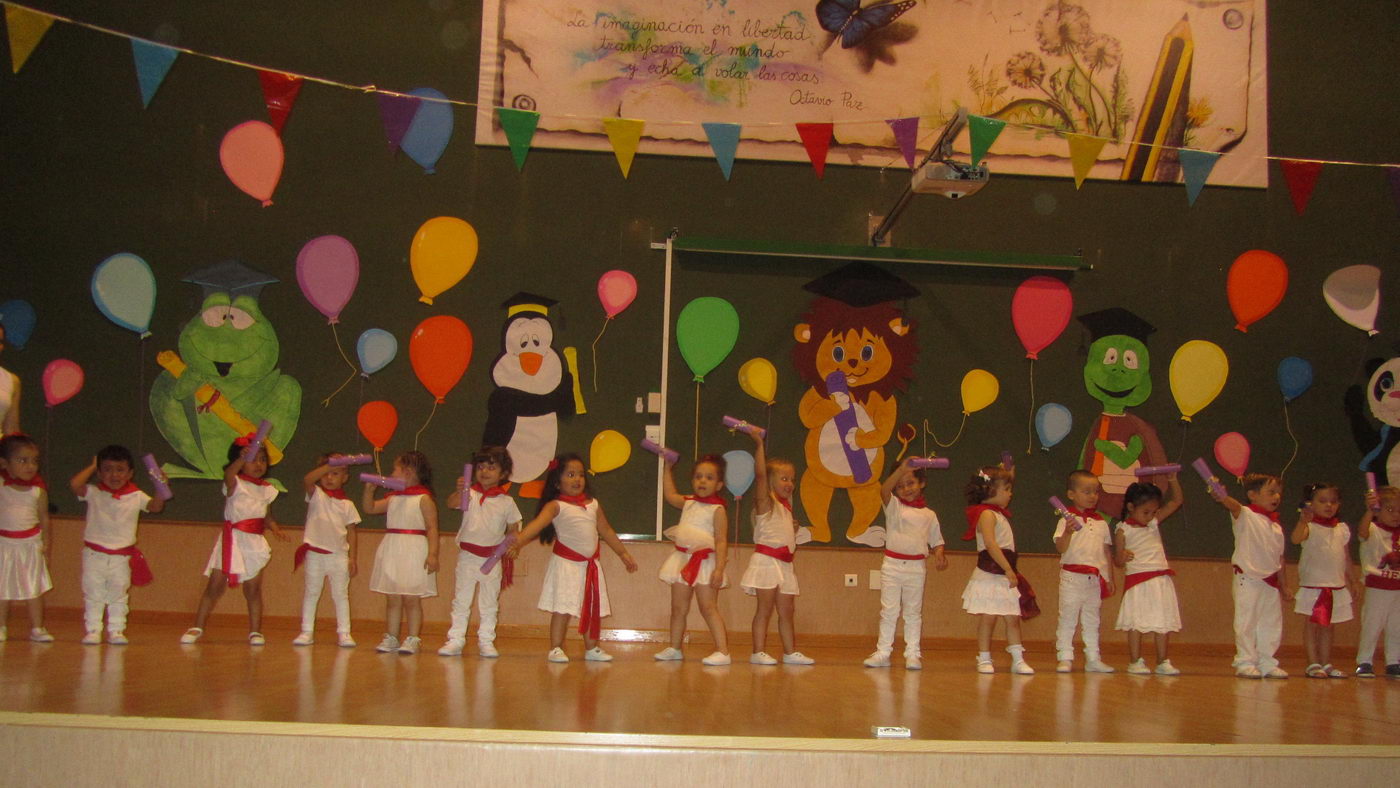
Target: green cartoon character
<point>1117,374</point>
<point>224,380</point>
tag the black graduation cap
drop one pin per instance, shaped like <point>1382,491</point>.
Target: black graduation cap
<point>230,277</point>
<point>528,302</point>
<point>861,284</point>
<point>1114,321</point>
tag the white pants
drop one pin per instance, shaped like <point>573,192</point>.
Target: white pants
<point>1258,623</point>
<point>1380,611</point>
<point>469,576</point>
<point>334,567</point>
<point>901,588</point>
<point>1080,602</point>
<point>106,581</point>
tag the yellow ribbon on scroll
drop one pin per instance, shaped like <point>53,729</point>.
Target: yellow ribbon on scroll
<point>207,397</point>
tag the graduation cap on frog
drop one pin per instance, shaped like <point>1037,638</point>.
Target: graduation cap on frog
<point>232,277</point>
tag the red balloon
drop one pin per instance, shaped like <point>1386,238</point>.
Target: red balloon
<point>1255,286</point>
<point>377,421</point>
<point>1232,452</point>
<point>440,349</point>
<point>1040,310</point>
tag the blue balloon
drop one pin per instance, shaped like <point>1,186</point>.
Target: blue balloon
<point>1295,376</point>
<point>738,472</point>
<point>430,130</point>
<point>17,316</point>
<point>376,348</point>
<point>125,291</point>
<point>1052,423</point>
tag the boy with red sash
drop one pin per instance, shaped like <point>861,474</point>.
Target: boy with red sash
<point>1258,586</point>
<point>911,532</point>
<point>488,517</point>
<point>328,548</point>
<point>1379,532</point>
<point>1086,575</point>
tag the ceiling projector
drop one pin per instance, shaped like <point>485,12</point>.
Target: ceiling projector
<point>952,179</point>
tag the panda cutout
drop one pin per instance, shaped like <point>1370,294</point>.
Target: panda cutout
<point>1382,398</point>
<point>533,389</point>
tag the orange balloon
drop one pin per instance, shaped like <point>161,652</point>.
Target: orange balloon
<point>1255,286</point>
<point>377,421</point>
<point>440,349</point>
<point>252,156</point>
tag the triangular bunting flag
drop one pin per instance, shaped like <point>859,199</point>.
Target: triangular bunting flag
<point>1083,152</point>
<point>279,93</point>
<point>816,137</point>
<point>724,140</point>
<point>906,135</point>
<point>519,126</point>
<point>624,134</point>
<point>984,131</point>
<point>397,113</point>
<point>153,62</point>
<point>26,29</point>
<point>1301,177</point>
<point>1195,168</point>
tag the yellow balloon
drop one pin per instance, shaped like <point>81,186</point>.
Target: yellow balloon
<point>443,251</point>
<point>610,451</point>
<point>979,389</point>
<point>759,379</point>
<point>1197,373</point>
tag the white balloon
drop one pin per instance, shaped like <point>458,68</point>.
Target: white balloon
<point>1354,293</point>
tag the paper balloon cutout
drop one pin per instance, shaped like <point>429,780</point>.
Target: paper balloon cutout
<point>1295,376</point>
<point>62,379</point>
<point>979,389</point>
<point>328,268</point>
<point>440,349</point>
<point>377,421</point>
<point>376,348</point>
<point>706,331</point>
<point>430,130</point>
<point>738,472</point>
<point>609,451</point>
<point>1232,452</point>
<point>1354,293</point>
<point>124,290</point>
<point>759,379</point>
<point>1040,310</point>
<point>18,318</point>
<point>252,157</point>
<point>443,251</point>
<point>1053,423</point>
<point>1255,286</point>
<point>616,290</point>
<point>1197,375</point>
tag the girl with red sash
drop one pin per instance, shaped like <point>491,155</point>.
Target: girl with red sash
<point>770,576</point>
<point>572,520</point>
<point>912,532</point>
<point>995,591</point>
<point>1379,532</point>
<point>1149,595</point>
<point>489,518</point>
<point>329,550</point>
<point>26,540</point>
<point>241,551</point>
<point>696,568</point>
<point>406,563</point>
<point>1324,575</point>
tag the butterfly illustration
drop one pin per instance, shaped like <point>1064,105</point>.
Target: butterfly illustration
<point>847,19</point>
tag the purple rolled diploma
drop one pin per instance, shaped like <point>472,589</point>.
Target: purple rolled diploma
<point>157,478</point>
<point>388,482</point>
<point>466,487</point>
<point>1204,470</point>
<point>845,422</point>
<point>497,554</point>
<point>349,459</point>
<point>251,450</point>
<point>672,457</point>
<point>1007,463</point>
<point>1371,487</point>
<point>929,462</point>
<point>1156,470</point>
<point>1074,522</point>
<point>743,426</point>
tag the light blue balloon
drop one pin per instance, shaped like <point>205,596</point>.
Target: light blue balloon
<point>1052,423</point>
<point>430,130</point>
<point>1295,376</point>
<point>376,348</point>
<point>738,472</point>
<point>124,289</point>
<point>18,318</point>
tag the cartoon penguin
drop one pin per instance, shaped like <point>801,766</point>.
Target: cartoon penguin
<point>533,388</point>
<point>1382,395</point>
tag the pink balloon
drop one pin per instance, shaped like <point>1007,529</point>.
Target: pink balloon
<point>1232,452</point>
<point>616,289</point>
<point>252,157</point>
<point>62,379</point>
<point>1040,310</point>
<point>328,268</point>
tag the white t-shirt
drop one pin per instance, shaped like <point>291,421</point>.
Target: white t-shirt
<point>1258,544</point>
<point>112,521</point>
<point>1145,542</point>
<point>327,520</point>
<point>1380,543</point>
<point>248,501</point>
<point>485,520</point>
<point>1086,546</point>
<point>1324,560</point>
<point>910,530</point>
<point>1005,539</point>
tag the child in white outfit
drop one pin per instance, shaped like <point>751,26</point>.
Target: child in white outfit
<point>490,516</point>
<point>1324,576</point>
<point>1258,587</point>
<point>406,563</point>
<point>696,568</point>
<point>328,548</point>
<point>26,540</point>
<point>911,532</point>
<point>770,577</point>
<point>995,591</point>
<point>1149,595</point>
<point>1086,575</point>
<point>1379,532</point>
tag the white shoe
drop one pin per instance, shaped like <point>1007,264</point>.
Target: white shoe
<point>91,638</point>
<point>1139,667</point>
<point>761,658</point>
<point>256,639</point>
<point>1021,668</point>
<point>873,536</point>
<point>304,639</point>
<point>410,645</point>
<point>452,648</point>
<point>1276,673</point>
<point>344,640</point>
<point>1166,668</point>
<point>388,645</point>
<point>878,659</point>
<point>716,659</point>
<point>597,654</point>
<point>1064,666</point>
<point>668,654</point>
<point>797,658</point>
<point>487,649</point>
<point>40,635</point>
<point>192,635</point>
<point>557,655</point>
<point>117,638</point>
<point>914,662</point>
<point>985,667</point>
<point>1097,666</point>
<point>1248,672</point>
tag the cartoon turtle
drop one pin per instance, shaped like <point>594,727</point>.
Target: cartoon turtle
<point>224,380</point>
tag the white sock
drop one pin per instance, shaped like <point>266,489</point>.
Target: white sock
<point>984,656</point>
<point>1017,652</point>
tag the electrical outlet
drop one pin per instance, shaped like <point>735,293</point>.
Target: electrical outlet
<point>874,580</point>
<point>654,402</point>
<point>851,580</point>
<point>639,405</point>
<point>653,433</point>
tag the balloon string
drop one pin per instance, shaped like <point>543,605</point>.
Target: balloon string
<point>695,448</point>
<point>425,425</point>
<point>606,321</point>
<point>1287,425</point>
<point>325,403</point>
<point>48,428</point>
<point>348,362</point>
<point>929,431</point>
<point>767,424</point>
<point>377,469</point>
<point>1030,415</point>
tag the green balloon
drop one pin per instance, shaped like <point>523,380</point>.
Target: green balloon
<point>706,330</point>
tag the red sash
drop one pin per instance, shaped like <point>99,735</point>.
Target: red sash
<point>1085,569</point>
<point>1029,607</point>
<point>590,613</point>
<point>482,551</point>
<point>975,512</point>
<point>299,557</point>
<point>1271,579</point>
<point>253,525</point>
<point>1322,608</point>
<point>1142,577</point>
<point>410,531</point>
<point>25,534</point>
<point>140,570</point>
<point>713,500</point>
<point>903,557</point>
<point>781,553</point>
<point>692,567</point>
<point>1390,560</point>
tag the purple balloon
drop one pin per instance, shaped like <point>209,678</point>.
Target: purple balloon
<point>328,268</point>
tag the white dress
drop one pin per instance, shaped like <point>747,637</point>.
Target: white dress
<point>775,529</point>
<point>1324,565</point>
<point>399,562</point>
<point>23,573</point>
<point>1149,606</point>
<point>576,527</point>
<point>987,593</point>
<point>251,552</point>
<point>694,532</point>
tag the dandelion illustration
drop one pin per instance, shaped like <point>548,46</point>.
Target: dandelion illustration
<point>1198,112</point>
<point>1025,70</point>
<point>1063,29</point>
<point>1102,53</point>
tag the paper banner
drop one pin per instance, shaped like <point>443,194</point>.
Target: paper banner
<point>1301,177</point>
<point>279,93</point>
<point>724,140</point>
<point>624,134</point>
<point>982,132</point>
<point>1083,152</point>
<point>1195,168</point>
<point>816,137</point>
<point>397,113</point>
<point>519,126</point>
<point>153,62</point>
<point>26,29</point>
<point>906,135</point>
